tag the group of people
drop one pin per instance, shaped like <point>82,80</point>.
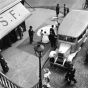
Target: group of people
<point>70,75</point>
<point>11,37</point>
<point>16,34</point>
<point>52,36</point>
<point>66,10</point>
<point>46,79</point>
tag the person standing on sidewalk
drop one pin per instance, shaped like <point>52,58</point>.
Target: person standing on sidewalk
<point>52,29</point>
<point>52,40</point>
<point>65,10</point>
<point>72,75</point>
<point>31,33</point>
<point>57,10</point>
<point>20,32</point>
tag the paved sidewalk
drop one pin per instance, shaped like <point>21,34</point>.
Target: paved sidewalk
<point>23,65</point>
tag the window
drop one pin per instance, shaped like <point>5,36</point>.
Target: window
<point>67,38</point>
<point>82,35</point>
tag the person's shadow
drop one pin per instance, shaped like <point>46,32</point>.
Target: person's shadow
<point>68,85</point>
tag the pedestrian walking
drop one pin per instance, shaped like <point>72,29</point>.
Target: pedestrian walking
<point>57,10</point>
<point>70,76</point>
<point>65,10</point>
<point>31,33</point>
<point>67,76</point>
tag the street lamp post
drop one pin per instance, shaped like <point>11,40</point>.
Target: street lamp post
<point>40,49</point>
<point>40,76</point>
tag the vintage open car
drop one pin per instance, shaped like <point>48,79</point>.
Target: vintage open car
<point>62,58</point>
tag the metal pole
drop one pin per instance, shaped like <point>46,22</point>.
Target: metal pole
<point>40,76</point>
<point>28,4</point>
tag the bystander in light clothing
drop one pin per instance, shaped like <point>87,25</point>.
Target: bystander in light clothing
<point>46,81</point>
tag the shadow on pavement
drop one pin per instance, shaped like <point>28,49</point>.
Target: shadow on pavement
<point>29,48</point>
<point>58,69</point>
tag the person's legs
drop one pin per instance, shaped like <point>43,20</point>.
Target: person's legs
<point>73,79</point>
<point>31,39</point>
<point>57,14</point>
<point>52,44</point>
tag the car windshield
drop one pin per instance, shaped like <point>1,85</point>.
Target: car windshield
<point>60,56</point>
<point>67,38</point>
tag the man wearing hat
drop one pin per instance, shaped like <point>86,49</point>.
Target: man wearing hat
<point>31,33</point>
<point>70,75</point>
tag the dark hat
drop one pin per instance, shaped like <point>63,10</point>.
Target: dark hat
<point>58,4</point>
<point>52,25</point>
<point>30,26</point>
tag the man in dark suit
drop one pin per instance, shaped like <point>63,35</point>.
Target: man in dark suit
<point>70,75</point>
<point>65,10</point>
<point>57,10</point>
<point>31,33</point>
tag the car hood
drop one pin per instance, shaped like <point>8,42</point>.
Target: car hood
<point>64,47</point>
